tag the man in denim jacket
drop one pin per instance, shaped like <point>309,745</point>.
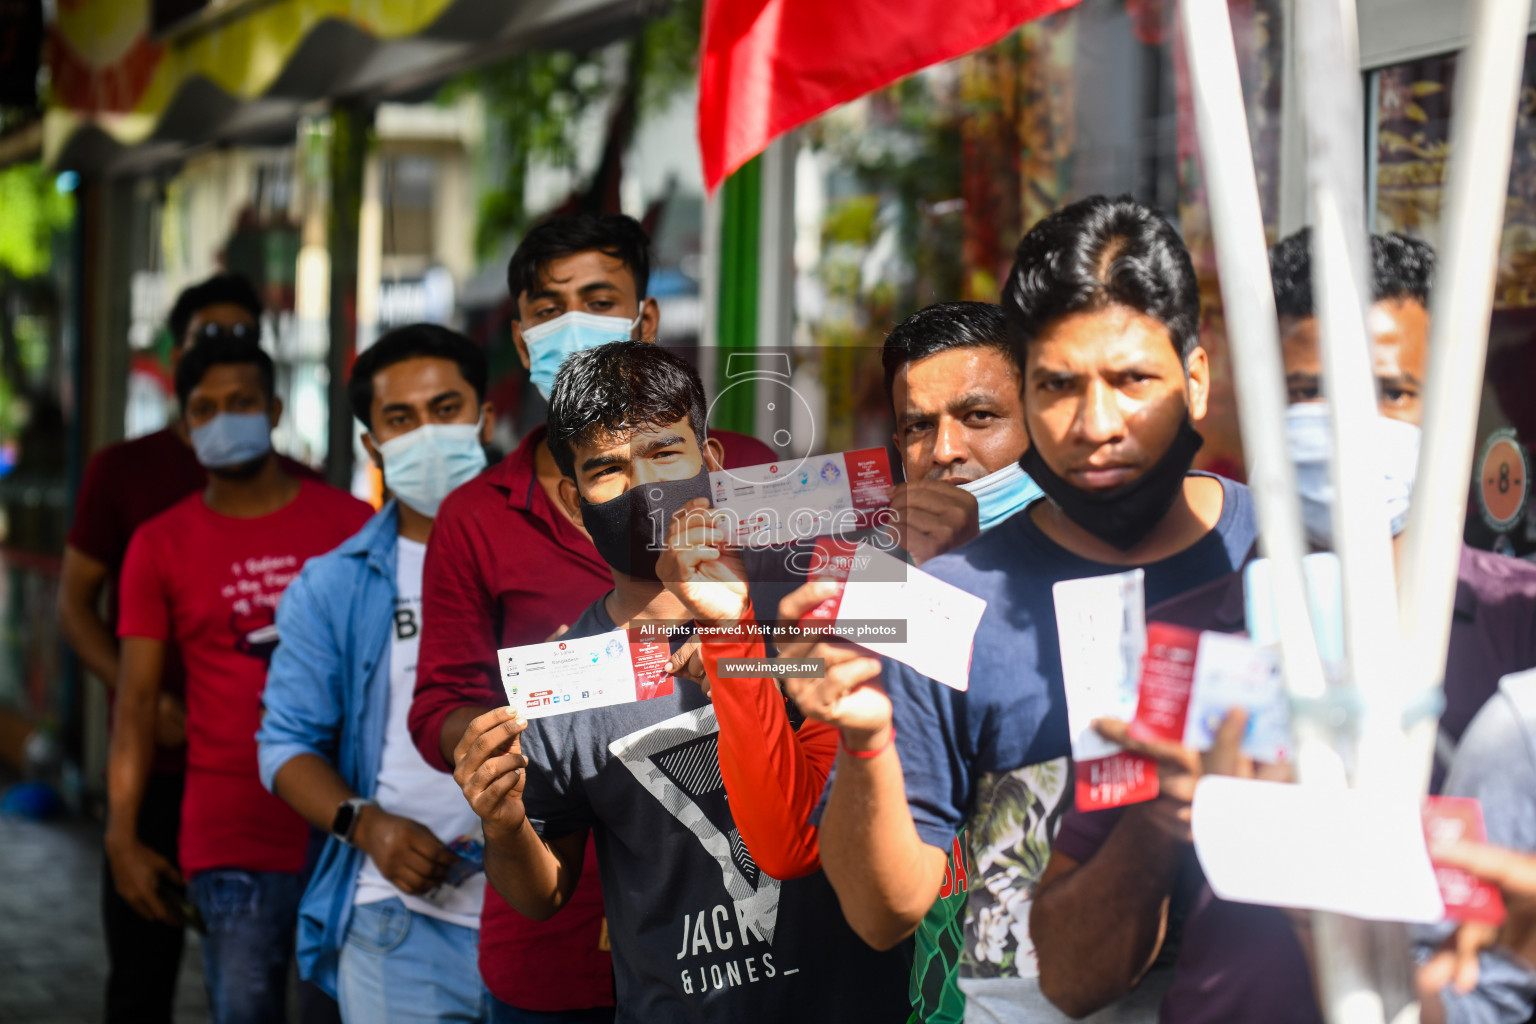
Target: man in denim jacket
<point>390,920</point>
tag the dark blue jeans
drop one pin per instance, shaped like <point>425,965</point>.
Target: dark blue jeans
<point>252,917</point>
<point>503,1013</point>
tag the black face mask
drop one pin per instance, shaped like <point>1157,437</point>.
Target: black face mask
<point>630,531</point>
<point>1124,515</point>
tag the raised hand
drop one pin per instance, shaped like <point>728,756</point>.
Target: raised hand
<point>929,517</point>
<point>490,768</point>
<point>847,694</point>
<point>702,567</point>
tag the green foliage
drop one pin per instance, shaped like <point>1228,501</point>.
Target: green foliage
<point>537,100</point>
<point>31,210</point>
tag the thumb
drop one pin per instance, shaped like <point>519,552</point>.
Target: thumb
<point>558,633</point>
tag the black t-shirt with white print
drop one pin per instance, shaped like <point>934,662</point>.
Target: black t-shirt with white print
<point>698,932</point>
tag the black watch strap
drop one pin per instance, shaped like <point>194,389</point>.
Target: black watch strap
<point>344,825</point>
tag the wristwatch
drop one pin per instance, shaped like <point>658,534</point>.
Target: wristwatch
<point>345,823</point>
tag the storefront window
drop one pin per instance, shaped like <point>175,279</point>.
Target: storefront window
<point>918,193</point>
<point>1411,139</point>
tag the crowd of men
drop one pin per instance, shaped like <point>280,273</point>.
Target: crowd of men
<point>313,755</point>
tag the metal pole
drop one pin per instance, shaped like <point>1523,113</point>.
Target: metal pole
<point>1335,146</point>
<point>1472,216</point>
<point>1237,223</point>
<point>351,123</point>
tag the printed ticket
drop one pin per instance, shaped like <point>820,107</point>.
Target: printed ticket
<point>1234,672</point>
<point>940,618</point>
<point>1101,626</point>
<point>800,499</point>
<point>1450,819</point>
<point>576,674</point>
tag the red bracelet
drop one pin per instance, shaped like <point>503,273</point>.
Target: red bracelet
<point>867,754</point>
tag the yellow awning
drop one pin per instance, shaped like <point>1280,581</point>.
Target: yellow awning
<point>243,65</point>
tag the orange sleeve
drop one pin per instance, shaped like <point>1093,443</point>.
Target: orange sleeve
<point>773,775</point>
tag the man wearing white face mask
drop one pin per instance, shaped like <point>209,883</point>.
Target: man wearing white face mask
<point>1115,878</point>
<point>390,920</point>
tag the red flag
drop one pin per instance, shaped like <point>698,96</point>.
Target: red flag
<point>771,65</point>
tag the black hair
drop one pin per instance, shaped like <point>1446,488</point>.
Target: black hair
<point>618,389</point>
<point>217,290</point>
<point>414,341</point>
<point>221,351</point>
<point>612,234</point>
<point>939,328</point>
<point>1097,253</point>
<point>1401,268</point>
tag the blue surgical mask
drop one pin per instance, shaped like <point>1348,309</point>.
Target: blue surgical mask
<point>1395,451</point>
<point>1001,494</point>
<point>232,439</point>
<point>549,344</point>
<point>423,466</point>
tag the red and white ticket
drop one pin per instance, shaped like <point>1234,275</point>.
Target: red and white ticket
<point>800,499</point>
<point>1450,819</point>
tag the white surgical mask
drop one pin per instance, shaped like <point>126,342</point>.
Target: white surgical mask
<point>1395,453</point>
<point>552,342</point>
<point>1002,493</point>
<point>422,467</point>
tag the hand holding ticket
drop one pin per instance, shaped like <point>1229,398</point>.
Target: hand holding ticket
<point>931,623</point>
<point>820,495</point>
<point>574,674</point>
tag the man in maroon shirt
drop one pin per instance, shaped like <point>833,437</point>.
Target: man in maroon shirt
<point>507,566</point>
<point>1123,887</point>
<point>125,485</point>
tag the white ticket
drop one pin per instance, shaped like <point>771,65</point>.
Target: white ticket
<point>1101,625</point>
<point>939,618</point>
<point>1349,851</point>
<point>575,674</point>
<point>800,499</point>
<point>1234,672</point>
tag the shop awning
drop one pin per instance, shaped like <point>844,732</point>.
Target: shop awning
<point>127,98</point>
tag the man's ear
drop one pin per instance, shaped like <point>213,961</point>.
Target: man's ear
<point>714,455</point>
<point>521,345</point>
<point>570,499</point>
<point>650,320</point>
<point>372,449</point>
<point>1197,374</point>
<point>277,411</point>
<point>487,422</point>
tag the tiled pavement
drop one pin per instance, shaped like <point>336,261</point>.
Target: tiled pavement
<point>52,959</point>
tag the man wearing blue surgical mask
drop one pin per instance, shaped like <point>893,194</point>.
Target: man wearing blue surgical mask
<point>954,387</point>
<point>201,583</point>
<point>392,916</point>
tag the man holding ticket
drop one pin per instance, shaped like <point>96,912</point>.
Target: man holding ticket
<point>1102,307</point>
<point>508,566</point>
<point>1121,875</point>
<point>699,932</point>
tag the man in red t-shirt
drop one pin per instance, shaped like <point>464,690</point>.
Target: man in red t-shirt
<point>125,485</point>
<point>507,566</point>
<point>206,575</point>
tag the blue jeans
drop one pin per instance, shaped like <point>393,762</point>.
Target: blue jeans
<point>251,918</point>
<point>401,966</point>
<point>505,1013</point>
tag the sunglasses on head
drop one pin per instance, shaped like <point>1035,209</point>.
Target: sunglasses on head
<point>234,332</point>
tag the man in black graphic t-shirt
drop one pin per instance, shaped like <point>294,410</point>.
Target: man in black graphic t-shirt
<point>699,933</point>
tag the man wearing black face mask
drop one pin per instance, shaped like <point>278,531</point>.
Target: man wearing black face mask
<point>699,931</point>
<point>1103,307</point>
